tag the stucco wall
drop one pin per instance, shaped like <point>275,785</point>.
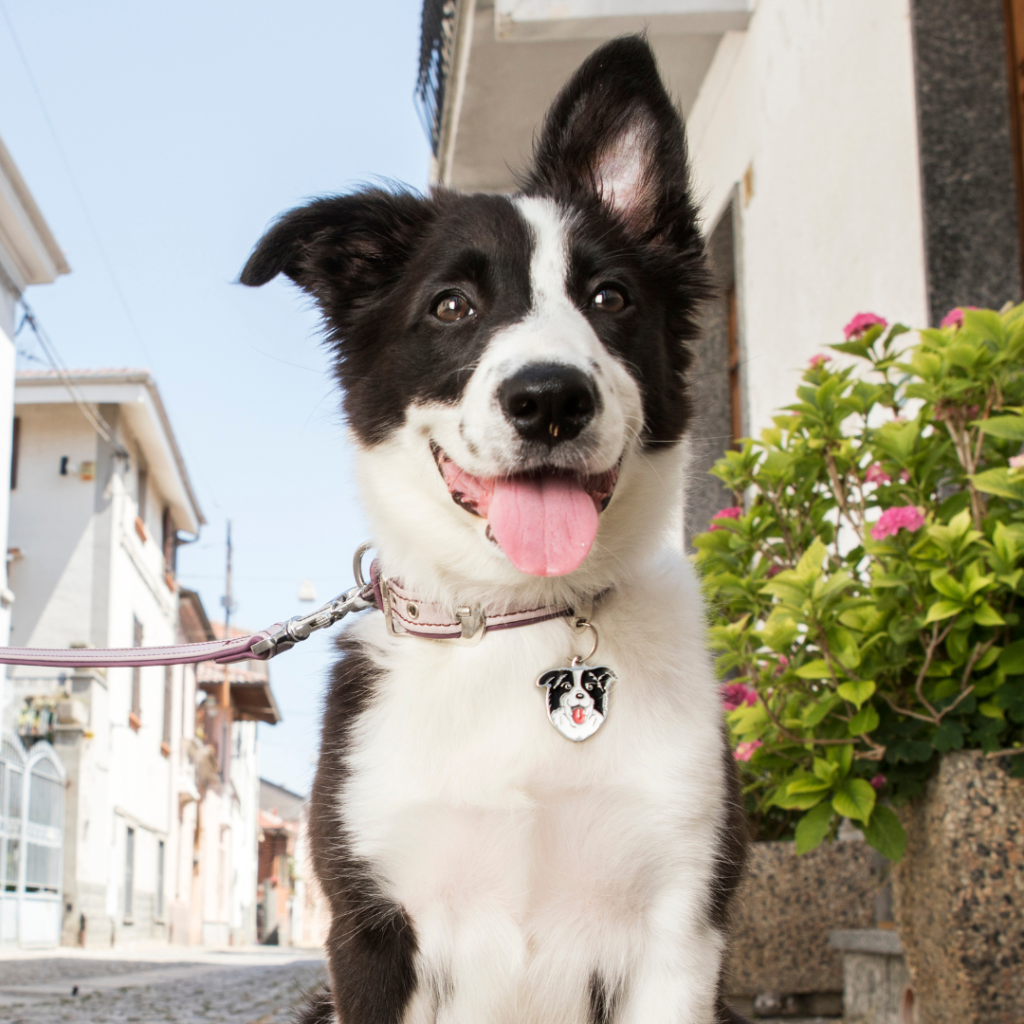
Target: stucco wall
<point>817,100</point>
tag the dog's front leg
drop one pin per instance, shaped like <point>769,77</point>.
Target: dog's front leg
<point>675,980</point>
<point>472,964</point>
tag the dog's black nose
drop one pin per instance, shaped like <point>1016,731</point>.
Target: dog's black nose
<point>548,402</point>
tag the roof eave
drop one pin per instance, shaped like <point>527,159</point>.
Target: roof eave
<point>32,253</point>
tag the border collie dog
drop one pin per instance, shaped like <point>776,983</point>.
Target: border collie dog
<point>513,377</point>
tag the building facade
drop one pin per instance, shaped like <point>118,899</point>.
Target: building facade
<point>93,542</point>
<point>29,255</point>
<point>31,781</point>
<point>848,156</point>
<point>159,767</point>
<point>292,909</point>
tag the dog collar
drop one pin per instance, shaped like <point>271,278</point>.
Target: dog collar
<point>406,615</point>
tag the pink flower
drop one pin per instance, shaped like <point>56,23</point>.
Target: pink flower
<point>878,782</point>
<point>860,323</point>
<point>783,665</point>
<point>1017,461</point>
<point>904,477</point>
<point>773,570</point>
<point>900,517</point>
<point>725,513</point>
<point>955,317</point>
<point>737,695</point>
<point>877,475</point>
<point>745,751</point>
<point>819,360</point>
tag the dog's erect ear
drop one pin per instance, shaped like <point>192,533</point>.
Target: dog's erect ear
<point>613,134</point>
<point>340,248</point>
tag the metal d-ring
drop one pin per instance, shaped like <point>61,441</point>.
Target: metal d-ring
<point>357,563</point>
<point>579,625</point>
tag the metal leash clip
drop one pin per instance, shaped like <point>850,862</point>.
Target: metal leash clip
<point>299,627</point>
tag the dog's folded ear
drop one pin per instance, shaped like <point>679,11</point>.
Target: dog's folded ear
<point>340,249</point>
<point>613,134</point>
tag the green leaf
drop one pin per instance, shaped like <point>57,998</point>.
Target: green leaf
<point>999,481</point>
<point>807,784</point>
<point>747,719</point>
<point>942,610</point>
<point>866,720</point>
<point>840,581</point>
<point>948,736</point>
<point>841,755</point>
<point>885,833</point>
<point>1011,428</point>
<point>812,828</point>
<point>991,710</point>
<point>856,693</point>
<point>1011,661</point>
<point>986,615</point>
<point>799,801</point>
<point>809,566</point>
<point>817,669</point>
<point>947,586</point>
<point>855,799</point>
<point>779,633</point>
<point>814,714</point>
<point>853,348</point>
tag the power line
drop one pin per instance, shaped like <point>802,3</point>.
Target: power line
<point>56,363</point>
<point>76,188</point>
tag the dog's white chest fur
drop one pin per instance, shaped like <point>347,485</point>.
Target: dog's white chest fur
<point>530,864</point>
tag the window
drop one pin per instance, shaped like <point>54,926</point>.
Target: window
<point>160,880</point>
<point>169,542</point>
<point>136,710</point>
<point>733,337</point>
<point>168,691</point>
<point>1015,54</point>
<point>15,451</point>
<point>142,486</point>
<point>129,874</point>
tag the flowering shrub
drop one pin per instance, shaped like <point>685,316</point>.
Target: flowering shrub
<point>864,588</point>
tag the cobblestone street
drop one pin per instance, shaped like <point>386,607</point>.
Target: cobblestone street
<point>246,987</point>
<point>226,988</point>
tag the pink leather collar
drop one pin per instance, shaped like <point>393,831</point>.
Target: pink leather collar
<point>406,615</point>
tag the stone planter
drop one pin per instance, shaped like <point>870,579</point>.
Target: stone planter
<point>785,909</point>
<point>959,894</point>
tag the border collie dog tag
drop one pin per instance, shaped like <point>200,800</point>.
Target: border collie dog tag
<point>577,699</point>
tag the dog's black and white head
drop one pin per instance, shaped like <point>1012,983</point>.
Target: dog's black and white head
<point>513,365</point>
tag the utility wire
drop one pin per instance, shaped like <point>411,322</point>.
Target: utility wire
<point>53,358</point>
<point>77,189</point>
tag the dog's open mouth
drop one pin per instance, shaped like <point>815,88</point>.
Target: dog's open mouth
<point>545,522</point>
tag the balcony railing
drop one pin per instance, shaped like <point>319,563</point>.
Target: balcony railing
<point>437,51</point>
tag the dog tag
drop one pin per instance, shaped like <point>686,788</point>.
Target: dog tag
<point>577,698</point>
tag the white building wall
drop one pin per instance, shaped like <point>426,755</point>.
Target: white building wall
<point>85,574</point>
<point>52,530</point>
<point>245,778</point>
<point>7,355</point>
<point>816,99</point>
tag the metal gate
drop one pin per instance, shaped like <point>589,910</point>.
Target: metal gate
<point>31,837</point>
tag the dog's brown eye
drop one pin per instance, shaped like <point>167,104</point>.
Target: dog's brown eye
<point>609,300</point>
<point>451,308</point>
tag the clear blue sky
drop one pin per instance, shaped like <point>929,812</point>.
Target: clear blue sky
<point>188,127</point>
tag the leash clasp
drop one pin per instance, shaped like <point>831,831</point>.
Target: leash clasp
<point>299,627</point>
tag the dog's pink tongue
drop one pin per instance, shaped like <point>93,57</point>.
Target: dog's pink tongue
<point>546,525</point>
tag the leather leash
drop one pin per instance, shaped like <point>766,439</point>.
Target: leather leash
<point>404,615</point>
